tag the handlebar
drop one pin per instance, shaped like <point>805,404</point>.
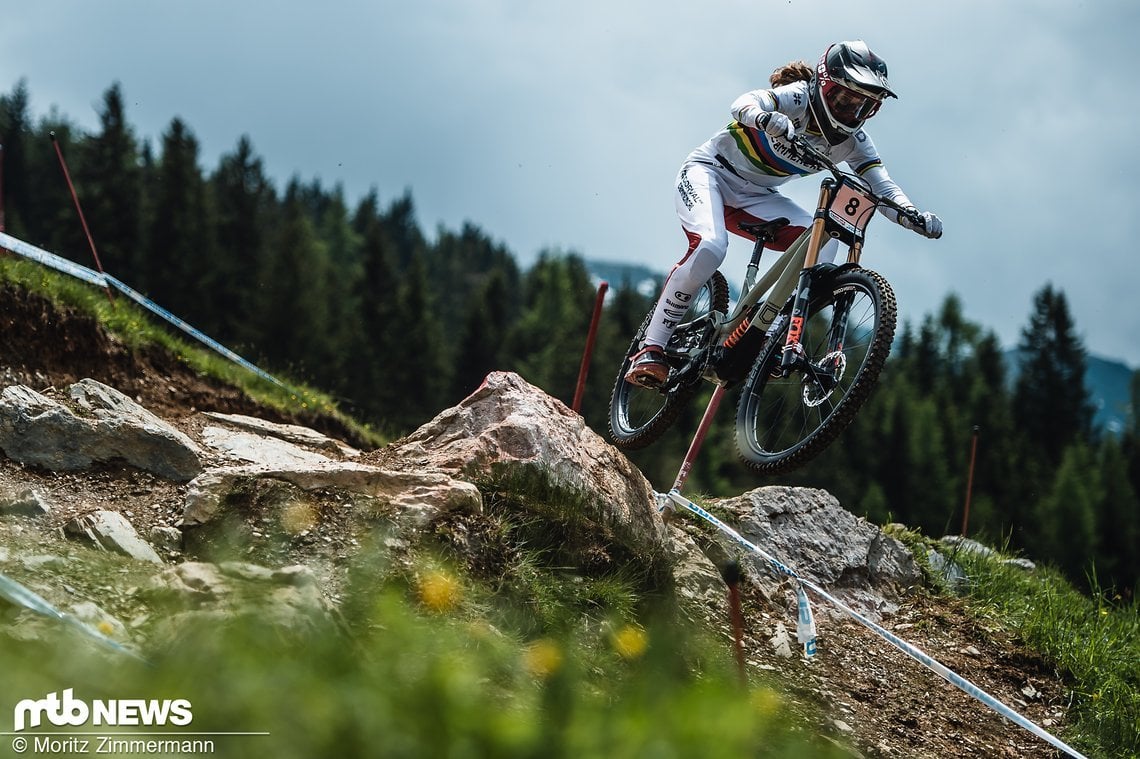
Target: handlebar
<point>813,155</point>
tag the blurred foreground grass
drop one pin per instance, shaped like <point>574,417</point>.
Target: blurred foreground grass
<point>521,631</point>
<point>416,674</point>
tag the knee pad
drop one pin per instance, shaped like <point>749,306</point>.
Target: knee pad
<point>698,266</point>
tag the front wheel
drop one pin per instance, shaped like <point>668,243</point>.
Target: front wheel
<point>639,415</point>
<point>784,422</point>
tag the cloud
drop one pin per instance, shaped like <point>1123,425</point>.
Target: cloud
<point>563,124</point>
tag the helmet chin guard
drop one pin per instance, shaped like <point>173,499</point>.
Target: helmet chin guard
<point>849,85</point>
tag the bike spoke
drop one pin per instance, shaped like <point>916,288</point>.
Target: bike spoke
<point>639,415</point>
<point>777,417</point>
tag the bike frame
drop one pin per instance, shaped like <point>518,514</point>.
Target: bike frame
<point>840,213</point>
<point>722,344</point>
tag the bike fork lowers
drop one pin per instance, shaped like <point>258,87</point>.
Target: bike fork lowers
<point>793,353</point>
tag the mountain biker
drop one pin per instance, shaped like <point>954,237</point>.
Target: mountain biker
<point>735,176</point>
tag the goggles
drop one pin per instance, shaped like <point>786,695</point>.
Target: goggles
<point>847,106</point>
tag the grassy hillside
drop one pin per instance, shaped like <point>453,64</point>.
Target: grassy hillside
<point>526,647</point>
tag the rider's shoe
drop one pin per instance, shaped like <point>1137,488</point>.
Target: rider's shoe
<point>648,368</point>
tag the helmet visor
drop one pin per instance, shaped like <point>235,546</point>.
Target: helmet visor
<point>847,106</point>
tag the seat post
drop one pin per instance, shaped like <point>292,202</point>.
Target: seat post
<point>764,232</point>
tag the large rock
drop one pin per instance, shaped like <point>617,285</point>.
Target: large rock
<point>256,448</point>
<point>290,433</point>
<point>423,493</point>
<point>508,423</point>
<point>110,531</point>
<point>39,431</point>
<point>808,531</point>
<point>203,596</point>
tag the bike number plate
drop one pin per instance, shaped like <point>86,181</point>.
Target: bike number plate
<point>851,208</point>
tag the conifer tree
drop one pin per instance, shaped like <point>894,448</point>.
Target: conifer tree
<point>548,339</point>
<point>15,133</point>
<point>110,177</point>
<point>995,502</point>
<point>179,256</point>
<point>1066,531</point>
<point>293,304</point>
<point>460,265</point>
<point>1051,406</point>
<point>374,333</point>
<point>246,211</point>
<point>483,335</point>
<point>344,271</point>
<point>401,227</point>
<point>1118,520</point>
<point>418,368</point>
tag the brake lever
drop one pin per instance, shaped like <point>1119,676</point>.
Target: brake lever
<point>805,153</point>
<point>915,217</point>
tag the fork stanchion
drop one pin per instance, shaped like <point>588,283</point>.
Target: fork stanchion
<point>588,353</point>
<point>699,438</point>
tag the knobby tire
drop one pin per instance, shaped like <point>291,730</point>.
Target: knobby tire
<point>640,416</point>
<point>783,423</point>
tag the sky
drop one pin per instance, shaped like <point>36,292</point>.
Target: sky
<point>561,125</point>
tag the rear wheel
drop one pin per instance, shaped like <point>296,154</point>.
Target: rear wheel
<point>639,415</point>
<point>784,422</point>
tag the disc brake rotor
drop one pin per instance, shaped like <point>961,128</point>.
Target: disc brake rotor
<point>834,363</point>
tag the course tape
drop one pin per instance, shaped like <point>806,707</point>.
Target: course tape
<point>907,648</point>
<point>51,260</point>
<point>145,302</point>
<point>59,263</point>
<point>22,596</point>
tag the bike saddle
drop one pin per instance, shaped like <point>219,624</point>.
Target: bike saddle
<point>764,230</point>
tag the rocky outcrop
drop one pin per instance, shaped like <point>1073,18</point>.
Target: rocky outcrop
<point>286,487</point>
<point>808,531</point>
<point>110,531</point>
<point>509,424</point>
<point>25,502</point>
<point>197,593</point>
<point>423,494</point>
<point>40,431</point>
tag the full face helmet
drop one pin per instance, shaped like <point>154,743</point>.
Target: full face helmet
<point>849,85</point>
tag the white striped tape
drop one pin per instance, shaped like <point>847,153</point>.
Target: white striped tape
<point>22,596</point>
<point>59,263</point>
<point>907,648</point>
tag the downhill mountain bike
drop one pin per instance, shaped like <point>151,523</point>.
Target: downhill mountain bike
<point>805,342</point>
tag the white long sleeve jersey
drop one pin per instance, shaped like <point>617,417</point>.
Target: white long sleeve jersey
<point>757,157</point>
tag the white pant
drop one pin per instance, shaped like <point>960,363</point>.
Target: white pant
<point>711,202</point>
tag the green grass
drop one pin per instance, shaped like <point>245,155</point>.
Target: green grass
<point>418,683</point>
<point>137,328</point>
<point>528,631</point>
<point>1093,640</point>
<point>432,658</point>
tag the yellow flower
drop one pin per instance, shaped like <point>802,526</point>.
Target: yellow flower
<point>542,658</point>
<point>630,642</point>
<point>766,702</point>
<point>439,591</point>
<point>298,517</point>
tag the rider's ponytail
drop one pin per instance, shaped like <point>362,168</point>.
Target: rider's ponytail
<point>794,71</point>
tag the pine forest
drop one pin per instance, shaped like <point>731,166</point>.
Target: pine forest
<point>352,297</point>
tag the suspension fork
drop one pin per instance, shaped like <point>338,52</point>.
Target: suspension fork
<point>793,348</point>
<point>839,316</point>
